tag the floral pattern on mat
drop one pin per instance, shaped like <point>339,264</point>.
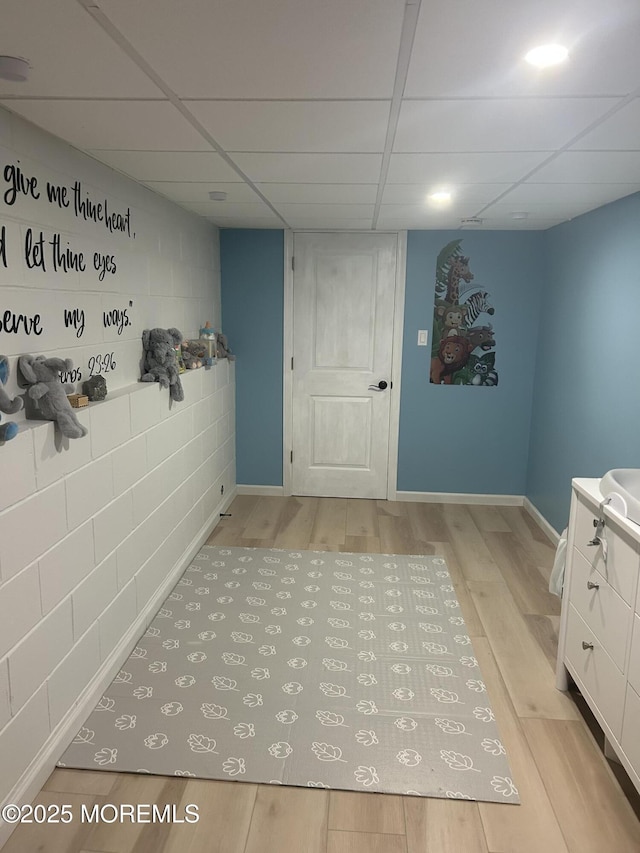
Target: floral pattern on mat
<point>306,668</point>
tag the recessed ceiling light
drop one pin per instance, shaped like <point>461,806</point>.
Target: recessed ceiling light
<point>217,195</point>
<point>14,68</point>
<point>440,196</point>
<point>519,214</point>
<point>547,54</point>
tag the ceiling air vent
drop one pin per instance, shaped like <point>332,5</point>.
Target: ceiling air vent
<point>471,220</point>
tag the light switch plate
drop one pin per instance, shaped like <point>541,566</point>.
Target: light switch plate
<point>423,334</point>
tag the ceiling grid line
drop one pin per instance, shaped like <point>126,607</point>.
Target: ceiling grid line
<point>103,21</point>
<point>407,37</point>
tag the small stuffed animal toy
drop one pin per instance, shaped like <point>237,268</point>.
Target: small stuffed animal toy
<point>223,348</point>
<point>194,354</point>
<point>41,376</point>
<point>95,388</point>
<point>7,405</point>
<point>160,362</point>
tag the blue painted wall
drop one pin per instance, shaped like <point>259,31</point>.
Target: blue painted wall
<point>586,413</point>
<point>252,265</point>
<point>452,438</point>
<point>461,438</point>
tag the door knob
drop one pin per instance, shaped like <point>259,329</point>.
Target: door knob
<point>379,387</point>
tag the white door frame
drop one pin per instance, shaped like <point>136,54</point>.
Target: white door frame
<point>396,362</point>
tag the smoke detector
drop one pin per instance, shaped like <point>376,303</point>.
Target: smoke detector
<point>14,68</point>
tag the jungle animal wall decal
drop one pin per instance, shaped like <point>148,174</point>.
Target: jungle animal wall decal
<point>462,349</point>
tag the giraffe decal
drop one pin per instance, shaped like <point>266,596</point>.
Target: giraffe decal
<point>463,342</point>
<point>458,269</point>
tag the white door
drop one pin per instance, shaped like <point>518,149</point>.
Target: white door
<point>343,303</point>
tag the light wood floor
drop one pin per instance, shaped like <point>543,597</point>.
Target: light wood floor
<point>500,562</point>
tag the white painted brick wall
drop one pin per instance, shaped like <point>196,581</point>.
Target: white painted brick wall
<point>91,528</point>
<point>35,656</point>
<point>73,674</point>
<point>65,565</point>
<point>89,597</point>
<point>129,463</point>
<point>20,607</point>
<point>112,524</point>
<point>22,733</point>
<point>88,490</point>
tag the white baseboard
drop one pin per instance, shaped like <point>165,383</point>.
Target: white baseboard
<point>541,521</point>
<point>460,498</point>
<point>261,490</point>
<point>34,777</point>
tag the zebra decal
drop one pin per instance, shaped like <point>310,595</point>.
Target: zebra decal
<point>478,303</point>
<point>456,339</point>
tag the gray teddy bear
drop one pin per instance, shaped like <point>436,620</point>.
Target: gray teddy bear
<point>160,360</point>
<point>41,376</point>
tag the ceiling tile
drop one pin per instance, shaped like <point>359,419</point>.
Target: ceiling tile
<point>276,49</point>
<point>295,125</point>
<point>324,211</point>
<point>621,132</point>
<point>247,222</point>
<point>169,165</point>
<point>463,49</point>
<point>70,55</point>
<point>429,217</point>
<point>228,210</point>
<point>131,125</point>
<point>311,168</point>
<point>195,191</point>
<point>454,169</point>
<point>330,223</point>
<point>494,125</point>
<point>416,224</point>
<point>598,167</point>
<point>505,209</point>
<point>417,193</point>
<point>505,223</point>
<point>576,194</point>
<point>320,193</point>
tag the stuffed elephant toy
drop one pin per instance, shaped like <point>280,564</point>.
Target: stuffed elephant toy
<point>41,376</point>
<point>7,405</point>
<point>160,360</point>
<point>223,348</point>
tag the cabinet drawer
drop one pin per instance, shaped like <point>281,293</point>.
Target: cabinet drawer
<point>595,672</point>
<point>630,742</point>
<point>585,530</point>
<point>608,616</point>
<point>623,563</point>
<point>634,661</point>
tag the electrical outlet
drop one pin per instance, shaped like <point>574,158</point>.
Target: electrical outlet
<point>423,335</point>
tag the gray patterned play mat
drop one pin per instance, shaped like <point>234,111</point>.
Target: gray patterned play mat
<point>309,668</point>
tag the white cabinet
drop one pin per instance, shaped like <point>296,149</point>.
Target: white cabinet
<point>599,643</point>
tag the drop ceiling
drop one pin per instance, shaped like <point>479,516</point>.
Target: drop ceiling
<point>335,114</point>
